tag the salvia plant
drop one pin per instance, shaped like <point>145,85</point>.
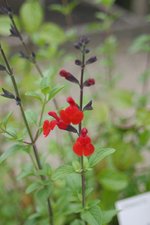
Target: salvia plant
<point>63,195</point>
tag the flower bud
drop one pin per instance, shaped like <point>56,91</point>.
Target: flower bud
<point>84,132</point>
<point>64,73</point>
<point>89,82</point>
<point>91,60</point>
<point>68,76</point>
<point>78,62</point>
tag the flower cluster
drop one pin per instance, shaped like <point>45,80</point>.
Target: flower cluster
<point>73,114</point>
<point>83,145</point>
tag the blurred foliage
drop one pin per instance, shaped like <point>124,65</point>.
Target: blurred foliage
<point>116,177</point>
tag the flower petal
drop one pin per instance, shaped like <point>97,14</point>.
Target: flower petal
<point>88,150</point>
<point>48,126</point>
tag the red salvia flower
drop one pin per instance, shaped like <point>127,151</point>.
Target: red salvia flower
<point>48,126</point>
<point>72,114</point>
<point>83,145</point>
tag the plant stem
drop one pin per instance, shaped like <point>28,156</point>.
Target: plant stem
<point>35,150</point>
<point>80,127</point>
<point>28,52</point>
<point>33,60</point>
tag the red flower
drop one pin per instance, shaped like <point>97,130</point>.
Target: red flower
<point>71,114</point>
<point>48,126</point>
<point>83,145</point>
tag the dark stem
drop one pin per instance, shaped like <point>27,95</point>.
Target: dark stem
<point>10,72</point>
<point>33,60</point>
<point>80,127</point>
<point>28,51</point>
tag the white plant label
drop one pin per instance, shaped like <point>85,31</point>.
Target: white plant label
<point>134,210</point>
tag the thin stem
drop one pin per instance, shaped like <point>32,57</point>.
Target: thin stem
<point>40,120</point>
<point>80,127</point>
<point>18,100</point>
<point>28,51</point>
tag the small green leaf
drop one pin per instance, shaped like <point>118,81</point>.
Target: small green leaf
<point>31,116</point>
<point>141,43</point>
<point>62,171</point>
<point>4,25</point>
<point>77,222</point>
<point>45,85</point>
<point>54,92</point>
<point>31,15</point>
<point>108,215</point>
<point>113,180</point>
<point>6,119</point>
<point>34,94</point>
<point>28,171</point>
<point>99,155</point>
<point>34,187</point>
<point>92,216</point>
<point>51,34</point>
<point>12,150</point>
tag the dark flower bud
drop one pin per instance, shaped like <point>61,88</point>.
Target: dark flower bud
<point>33,55</point>
<point>78,62</point>
<point>2,68</point>
<point>91,60</point>
<point>13,31</point>
<point>23,55</point>
<point>7,94</point>
<point>71,129</point>
<point>77,45</point>
<point>6,10</point>
<point>68,76</point>
<point>87,50</point>
<point>88,106</point>
<point>89,82</point>
<point>84,40</point>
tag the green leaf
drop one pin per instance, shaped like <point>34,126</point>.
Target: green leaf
<point>99,155</point>
<point>108,215</point>
<point>66,9</point>
<point>6,119</point>
<point>34,187</point>
<point>54,92</point>
<point>106,3</point>
<point>31,116</point>
<point>113,180</point>
<point>28,171</point>
<point>77,222</point>
<point>141,43</point>
<point>62,171</point>
<point>12,150</point>
<point>4,25</point>
<point>45,85</point>
<point>49,33</point>
<point>34,94</point>
<point>31,15</point>
<point>92,216</point>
